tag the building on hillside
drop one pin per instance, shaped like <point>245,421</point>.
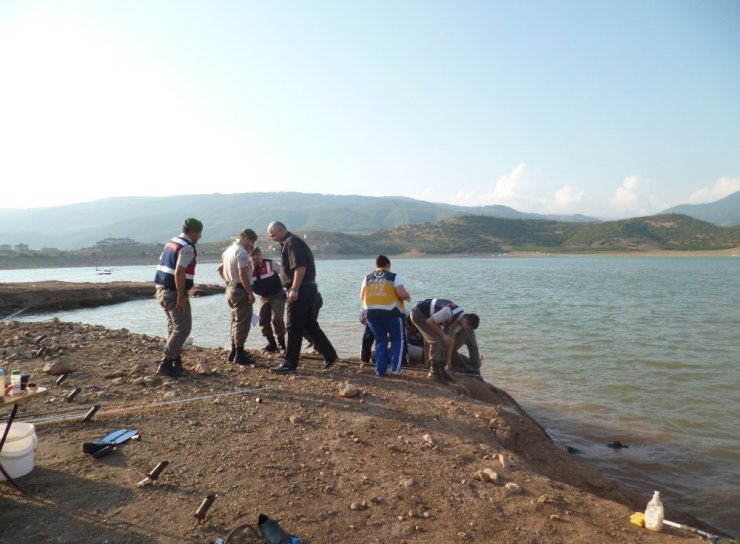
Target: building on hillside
<point>113,242</point>
<point>21,248</point>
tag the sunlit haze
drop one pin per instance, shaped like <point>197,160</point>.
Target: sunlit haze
<point>606,109</point>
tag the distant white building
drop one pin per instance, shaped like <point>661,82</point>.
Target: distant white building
<point>22,248</point>
<point>112,242</point>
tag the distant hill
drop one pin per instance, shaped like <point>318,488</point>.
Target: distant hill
<point>479,234</point>
<point>155,219</point>
<point>724,212</point>
<point>467,234</point>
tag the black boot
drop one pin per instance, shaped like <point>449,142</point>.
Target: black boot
<point>232,353</point>
<point>281,342</point>
<point>271,346</point>
<point>446,375</point>
<point>166,368</point>
<point>242,357</point>
<point>177,366</point>
<point>435,374</point>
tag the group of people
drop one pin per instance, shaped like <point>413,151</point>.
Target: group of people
<point>289,288</point>
<point>442,324</point>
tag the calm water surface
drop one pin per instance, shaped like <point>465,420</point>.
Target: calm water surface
<point>641,350</point>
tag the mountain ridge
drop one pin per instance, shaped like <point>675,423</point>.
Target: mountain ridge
<point>724,212</point>
<point>153,219</point>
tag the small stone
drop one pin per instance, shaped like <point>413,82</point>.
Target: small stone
<point>487,475</point>
<point>138,381</point>
<point>512,487</point>
<point>295,420</point>
<point>348,390</point>
<point>555,517</point>
<point>58,367</point>
<point>202,367</point>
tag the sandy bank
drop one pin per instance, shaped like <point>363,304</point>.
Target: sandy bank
<point>401,462</point>
<point>48,296</point>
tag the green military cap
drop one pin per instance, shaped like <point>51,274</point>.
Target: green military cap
<point>191,223</point>
<point>250,234</point>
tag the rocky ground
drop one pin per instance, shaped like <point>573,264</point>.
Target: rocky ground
<point>405,460</point>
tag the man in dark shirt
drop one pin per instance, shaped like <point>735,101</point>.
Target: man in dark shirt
<point>298,274</point>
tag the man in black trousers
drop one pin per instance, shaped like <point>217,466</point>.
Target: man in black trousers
<point>298,274</point>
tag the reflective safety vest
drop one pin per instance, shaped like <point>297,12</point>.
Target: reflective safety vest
<point>266,281</point>
<point>165,275</point>
<point>380,298</point>
<point>431,306</point>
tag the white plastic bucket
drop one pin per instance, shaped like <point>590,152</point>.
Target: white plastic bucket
<point>18,450</point>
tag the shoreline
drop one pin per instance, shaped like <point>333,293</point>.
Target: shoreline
<point>33,264</point>
<point>42,296</point>
<point>440,437</point>
<point>114,349</point>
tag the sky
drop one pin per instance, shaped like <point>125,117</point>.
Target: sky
<point>608,109</point>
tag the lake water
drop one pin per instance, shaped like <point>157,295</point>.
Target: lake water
<point>641,350</point>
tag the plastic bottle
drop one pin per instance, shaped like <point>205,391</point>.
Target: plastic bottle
<point>15,381</point>
<point>654,513</point>
<point>2,383</point>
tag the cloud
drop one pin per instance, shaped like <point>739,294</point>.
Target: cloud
<point>633,197</point>
<point>722,187</point>
<point>525,190</point>
<point>509,188</point>
<point>566,200</point>
<point>513,189</point>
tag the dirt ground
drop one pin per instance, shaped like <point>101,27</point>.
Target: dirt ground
<point>402,462</point>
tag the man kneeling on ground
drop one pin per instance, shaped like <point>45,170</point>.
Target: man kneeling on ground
<point>439,320</point>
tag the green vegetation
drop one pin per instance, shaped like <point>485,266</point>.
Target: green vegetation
<point>467,234</point>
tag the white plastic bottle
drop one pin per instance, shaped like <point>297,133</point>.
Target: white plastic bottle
<point>654,513</point>
<point>15,381</point>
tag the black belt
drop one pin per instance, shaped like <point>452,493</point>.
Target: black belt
<point>238,285</point>
<point>304,282</point>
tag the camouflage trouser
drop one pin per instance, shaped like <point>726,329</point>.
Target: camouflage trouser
<point>272,314</point>
<point>241,314</point>
<point>437,347</point>
<point>179,322</point>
